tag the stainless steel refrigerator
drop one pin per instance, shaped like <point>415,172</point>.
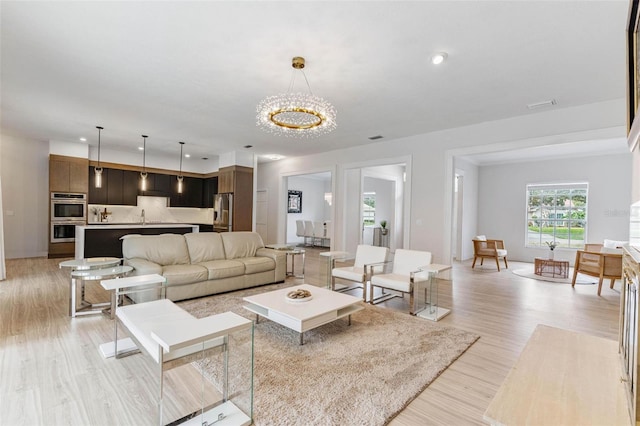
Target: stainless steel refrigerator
<point>222,212</point>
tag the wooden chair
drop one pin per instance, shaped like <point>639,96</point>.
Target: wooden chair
<point>494,249</point>
<point>597,261</point>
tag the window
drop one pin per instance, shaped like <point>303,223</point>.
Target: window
<point>557,212</point>
<point>369,208</point>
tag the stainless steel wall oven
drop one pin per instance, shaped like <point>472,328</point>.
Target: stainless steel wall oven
<point>68,207</point>
<point>64,232</point>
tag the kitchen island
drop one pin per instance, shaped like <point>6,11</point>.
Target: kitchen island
<point>104,240</point>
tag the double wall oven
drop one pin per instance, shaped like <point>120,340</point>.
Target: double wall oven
<point>67,211</point>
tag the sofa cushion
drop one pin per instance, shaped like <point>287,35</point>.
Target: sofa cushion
<point>204,246</point>
<point>165,249</point>
<point>253,265</point>
<point>184,274</point>
<point>241,244</point>
<point>223,268</point>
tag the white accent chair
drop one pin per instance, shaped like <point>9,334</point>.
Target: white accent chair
<point>368,258</point>
<point>493,249</point>
<point>405,272</point>
<point>300,230</point>
<point>308,232</point>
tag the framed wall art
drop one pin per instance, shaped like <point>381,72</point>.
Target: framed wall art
<point>295,202</point>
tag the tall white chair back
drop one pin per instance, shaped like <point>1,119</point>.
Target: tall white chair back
<point>300,228</point>
<point>308,231</point>
<point>318,232</point>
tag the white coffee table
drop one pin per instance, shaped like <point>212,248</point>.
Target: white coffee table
<point>324,307</point>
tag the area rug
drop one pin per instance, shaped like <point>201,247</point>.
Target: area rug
<point>580,279</point>
<point>361,374</point>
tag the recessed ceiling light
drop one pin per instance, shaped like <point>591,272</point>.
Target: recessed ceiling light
<point>205,158</point>
<point>248,146</point>
<point>274,157</point>
<point>439,58</point>
<point>187,156</point>
<point>373,138</point>
<point>140,148</point>
<point>542,104</point>
<point>83,139</point>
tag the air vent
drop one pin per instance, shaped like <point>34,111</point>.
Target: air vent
<point>542,104</point>
<point>373,138</point>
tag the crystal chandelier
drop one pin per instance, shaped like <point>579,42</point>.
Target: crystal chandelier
<point>296,114</point>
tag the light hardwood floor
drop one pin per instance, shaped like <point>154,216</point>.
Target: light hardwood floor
<point>51,371</point>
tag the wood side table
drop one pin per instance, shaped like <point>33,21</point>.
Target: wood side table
<point>551,267</point>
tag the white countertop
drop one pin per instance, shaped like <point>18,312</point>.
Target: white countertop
<point>135,225</point>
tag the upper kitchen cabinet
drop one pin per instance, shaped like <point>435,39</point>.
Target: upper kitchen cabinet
<point>226,180</point>
<point>209,189</point>
<point>119,187</point>
<point>191,192</point>
<point>158,185</point>
<point>98,195</point>
<point>68,174</point>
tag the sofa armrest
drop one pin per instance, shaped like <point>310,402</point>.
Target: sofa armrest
<point>278,256</point>
<point>143,266</point>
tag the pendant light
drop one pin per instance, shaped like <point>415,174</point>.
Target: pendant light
<point>143,173</point>
<point>180,177</point>
<point>98,170</point>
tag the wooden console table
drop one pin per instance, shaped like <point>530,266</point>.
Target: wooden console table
<point>551,267</point>
<point>562,377</point>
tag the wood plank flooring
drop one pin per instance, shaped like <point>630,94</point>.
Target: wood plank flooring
<point>51,371</point>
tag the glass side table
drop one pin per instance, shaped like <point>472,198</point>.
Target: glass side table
<point>427,307</point>
<point>292,254</point>
<point>327,260</point>
<point>90,269</point>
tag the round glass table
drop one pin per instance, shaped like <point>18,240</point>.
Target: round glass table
<point>90,269</point>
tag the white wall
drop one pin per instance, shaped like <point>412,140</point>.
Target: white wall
<point>314,207</point>
<point>469,227</point>
<point>25,196</point>
<point>430,177</point>
<point>502,199</point>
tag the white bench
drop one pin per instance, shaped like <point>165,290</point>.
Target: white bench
<point>172,337</point>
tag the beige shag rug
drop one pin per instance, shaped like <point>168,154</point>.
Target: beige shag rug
<point>363,374</point>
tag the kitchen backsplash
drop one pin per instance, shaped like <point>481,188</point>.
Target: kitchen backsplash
<point>155,211</point>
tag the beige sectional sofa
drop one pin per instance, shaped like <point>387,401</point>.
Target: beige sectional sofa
<point>201,264</point>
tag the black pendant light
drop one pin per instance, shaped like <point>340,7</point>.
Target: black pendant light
<point>180,177</point>
<point>143,173</point>
<point>98,170</point>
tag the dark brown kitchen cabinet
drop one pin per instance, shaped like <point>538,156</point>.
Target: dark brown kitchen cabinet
<point>98,195</point>
<point>114,186</point>
<point>191,193</point>
<point>158,185</point>
<point>119,187</point>
<point>209,189</point>
<point>130,181</point>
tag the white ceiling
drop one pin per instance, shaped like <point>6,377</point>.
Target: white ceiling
<point>195,71</point>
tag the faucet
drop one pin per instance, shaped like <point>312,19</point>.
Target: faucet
<point>142,216</point>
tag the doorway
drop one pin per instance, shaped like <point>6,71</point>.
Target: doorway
<point>314,199</point>
<point>374,195</point>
